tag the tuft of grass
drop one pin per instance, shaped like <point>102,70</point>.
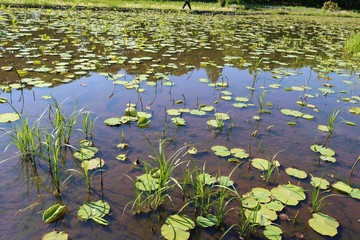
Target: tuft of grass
<point>352,45</point>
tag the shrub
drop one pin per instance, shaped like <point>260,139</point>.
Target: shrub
<point>330,6</point>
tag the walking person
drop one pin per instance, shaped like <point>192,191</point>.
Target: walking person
<point>187,2</point>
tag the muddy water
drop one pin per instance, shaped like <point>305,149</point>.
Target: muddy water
<point>250,55</point>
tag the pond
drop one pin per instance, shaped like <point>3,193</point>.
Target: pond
<point>270,103</point>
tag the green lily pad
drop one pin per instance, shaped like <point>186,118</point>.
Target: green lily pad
<point>262,216</point>
<point>55,235</point>
<point>205,222</point>
<point>193,150</point>
<point>221,150</point>
<point>93,163</point>
<point>206,178</point>
<point>114,121</point>
<point>95,211</point>
<point>324,224</point>
<point>319,182</point>
<point>323,128</point>
<point>143,122</point>
<point>222,116</point>
<point>262,195</point>
<point>207,108</point>
<point>85,153</point>
<point>173,112</point>
<point>147,182</point>
<point>322,150</point>
<point>121,157</point>
<point>260,163</point>
<point>182,222</point>
<point>355,110</point>
<point>239,153</point>
<point>53,213</point>
<point>122,145</point>
<point>293,113</point>
<point>9,117</point>
<point>178,121</point>
<point>225,181</point>
<point>296,173</point>
<point>249,202</point>
<point>215,123</point>
<point>171,233</point>
<point>288,194</point>
<point>342,187</point>
<point>355,193</point>
<point>272,232</point>
<point>144,114</point>
<point>197,112</point>
<point>328,158</point>
<point>275,205</point>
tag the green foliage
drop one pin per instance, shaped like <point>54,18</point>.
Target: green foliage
<point>352,45</point>
<point>330,6</point>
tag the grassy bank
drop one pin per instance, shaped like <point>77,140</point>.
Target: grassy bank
<point>196,7</point>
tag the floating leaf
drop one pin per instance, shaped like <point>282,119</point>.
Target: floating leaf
<point>178,121</point>
<point>355,193</point>
<point>324,224</point>
<point>296,173</point>
<point>114,121</point>
<point>9,117</point>
<point>262,195</point>
<point>350,123</point>
<point>222,116</point>
<point>143,122</point>
<point>288,194</point>
<point>182,222</point>
<point>207,108</point>
<point>319,182</point>
<point>53,213</point>
<point>293,113</point>
<point>220,150</point>
<point>260,163</point>
<point>205,222</point>
<point>121,157</point>
<point>272,232</point>
<point>173,112</point>
<point>323,128</point>
<point>355,110</point>
<point>197,112</point>
<point>146,182</point>
<point>55,235</point>
<point>193,150</point>
<point>206,178</point>
<point>342,187</point>
<point>215,123</point>
<point>225,181</point>
<point>275,205</point>
<point>262,216</point>
<point>94,210</point>
<point>93,163</point>
<point>85,153</point>
<point>171,233</point>
<point>122,145</point>
<point>239,153</point>
<point>249,202</point>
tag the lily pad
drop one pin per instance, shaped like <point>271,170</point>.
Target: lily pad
<point>172,233</point>
<point>288,194</point>
<point>143,122</point>
<point>296,173</point>
<point>222,116</point>
<point>355,110</point>
<point>272,232</point>
<point>55,235</point>
<point>9,117</point>
<point>205,222</point>
<point>319,182</point>
<point>93,163</point>
<point>221,150</point>
<point>206,178</point>
<point>225,181</point>
<point>95,211</point>
<point>262,195</point>
<point>260,163</point>
<point>146,182</point>
<point>53,213</point>
<point>85,153</point>
<point>114,121</point>
<point>239,153</point>
<point>178,121</point>
<point>197,112</point>
<point>355,193</point>
<point>324,224</point>
<point>121,157</point>
<point>342,187</point>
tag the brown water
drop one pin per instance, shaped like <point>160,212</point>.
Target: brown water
<point>245,52</point>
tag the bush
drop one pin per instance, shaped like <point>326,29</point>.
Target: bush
<point>330,6</point>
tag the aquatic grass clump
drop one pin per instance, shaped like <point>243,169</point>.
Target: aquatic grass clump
<point>352,45</point>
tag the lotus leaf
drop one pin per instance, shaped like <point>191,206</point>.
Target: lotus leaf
<point>93,163</point>
<point>322,150</point>
<point>86,143</point>
<point>206,178</point>
<point>225,97</point>
<point>272,232</point>
<point>55,235</point>
<point>178,121</point>
<point>221,150</point>
<point>355,110</point>
<point>262,195</point>
<point>94,210</point>
<point>355,193</point>
<point>225,181</point>
<point>143,122</point>
<point>146,182</point>
<point>260,163</point>
<point>241,99</point>
<point>144,114</point>
<point>288,194</point>
<point>240,105</point>
<point>308,117</point>
<point>342,187</point>
<point>296,173</point>
<point>319,182</point>
<point>324,224</point>
<point>205,222</point>
<point>172,233</point>
<point>239,153</point>
<point>53,213</point>
<point>9,117</point>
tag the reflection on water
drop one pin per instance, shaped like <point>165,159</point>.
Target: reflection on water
<point>105,60</point>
